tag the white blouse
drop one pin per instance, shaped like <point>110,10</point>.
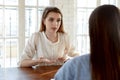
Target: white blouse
<point>39,46</point>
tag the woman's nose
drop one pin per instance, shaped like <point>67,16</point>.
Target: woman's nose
<point>55,23</point>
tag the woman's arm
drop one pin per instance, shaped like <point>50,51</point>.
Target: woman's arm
<point>29,52</point>
<point>28,63</point>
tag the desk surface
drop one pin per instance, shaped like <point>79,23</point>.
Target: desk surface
<point>39,73</point>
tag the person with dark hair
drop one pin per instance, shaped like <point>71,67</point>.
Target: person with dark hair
<point>49,46</point>
<point>103,62</point>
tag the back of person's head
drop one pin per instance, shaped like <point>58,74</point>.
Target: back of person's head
<point>46,11</point>
<point>104,31</point>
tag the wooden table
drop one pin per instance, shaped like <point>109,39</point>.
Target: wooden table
<point>39,73</point>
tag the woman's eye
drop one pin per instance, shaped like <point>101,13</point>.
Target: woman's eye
<point>59,20</point>
<point>51,19</point>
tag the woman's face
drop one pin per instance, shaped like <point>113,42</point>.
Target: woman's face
<point>52,22</point>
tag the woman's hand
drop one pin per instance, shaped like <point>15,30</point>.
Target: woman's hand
<point>44,60</point>
<point>61,59</point>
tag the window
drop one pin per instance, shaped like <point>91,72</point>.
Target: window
<point>84,9</point>
<point>8,32</point>
<point>18,20</point>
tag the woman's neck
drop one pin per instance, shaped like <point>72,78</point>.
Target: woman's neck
<point>53,37</point>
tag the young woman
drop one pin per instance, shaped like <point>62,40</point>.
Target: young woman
<point>103,62</point>
<point>49,46</point>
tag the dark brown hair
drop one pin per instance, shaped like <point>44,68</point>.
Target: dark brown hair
<point>104,31</point>
<point>46,11</point>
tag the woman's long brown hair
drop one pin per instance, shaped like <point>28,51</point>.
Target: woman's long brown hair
<point>104,31</point>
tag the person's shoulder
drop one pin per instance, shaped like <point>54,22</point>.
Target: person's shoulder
<point>83,59</point>
<point>37,34</point>
<point>76,63</point>
<point>64,35</point>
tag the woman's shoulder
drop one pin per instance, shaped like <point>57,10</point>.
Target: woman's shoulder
<point>37,34</point>
<point>82,57</point>
<point>64,35</point>
<point>83,60</point>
